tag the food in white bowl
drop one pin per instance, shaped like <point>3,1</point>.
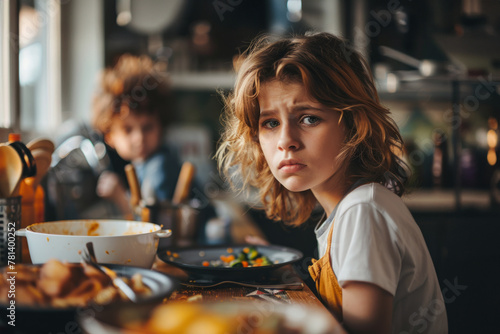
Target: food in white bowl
<point>121,242</point>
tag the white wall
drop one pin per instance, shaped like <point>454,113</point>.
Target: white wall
<point>82,55</point>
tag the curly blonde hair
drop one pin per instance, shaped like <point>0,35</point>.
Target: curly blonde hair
<point>134,84</point>
<point>336,76</point>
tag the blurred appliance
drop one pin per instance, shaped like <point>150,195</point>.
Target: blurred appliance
<point>78,160</point>
<point>149,17</point>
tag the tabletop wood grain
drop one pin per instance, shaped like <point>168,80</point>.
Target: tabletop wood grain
<point>231,292</point>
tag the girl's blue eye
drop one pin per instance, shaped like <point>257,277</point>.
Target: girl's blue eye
<point>310,120</point>
<point>270,124</point>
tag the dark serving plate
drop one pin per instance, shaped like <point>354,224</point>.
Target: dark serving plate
<point>32,319</point>
<point>190,260</point>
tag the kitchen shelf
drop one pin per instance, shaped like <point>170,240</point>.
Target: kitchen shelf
<point>437,88</point>
<point>444,200</point>
<point>210,80</point>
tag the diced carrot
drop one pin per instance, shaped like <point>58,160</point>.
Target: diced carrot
<point>229,250</point>
<point>246,250</point>
<point>244,263</point>
<point>205,263</point>
<point>230,258</point>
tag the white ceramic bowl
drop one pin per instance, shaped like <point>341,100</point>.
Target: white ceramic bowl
<point>115,241</point>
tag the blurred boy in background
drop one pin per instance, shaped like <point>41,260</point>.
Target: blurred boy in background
<point>131,109</point>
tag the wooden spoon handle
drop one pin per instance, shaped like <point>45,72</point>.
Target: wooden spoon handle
<point>43,159</point>
<point>133,182</point>
<point>184,182</point>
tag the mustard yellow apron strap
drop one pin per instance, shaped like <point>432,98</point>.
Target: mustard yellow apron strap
<point>314,269</point>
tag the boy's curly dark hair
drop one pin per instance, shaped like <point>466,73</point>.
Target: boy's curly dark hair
<point>134,84</point>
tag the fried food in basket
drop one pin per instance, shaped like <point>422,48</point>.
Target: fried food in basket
<point>61,284</point>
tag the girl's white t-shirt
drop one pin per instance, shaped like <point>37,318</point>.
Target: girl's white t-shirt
<point>376,240</point>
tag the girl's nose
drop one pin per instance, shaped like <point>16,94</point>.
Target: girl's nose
<point>288,139</point>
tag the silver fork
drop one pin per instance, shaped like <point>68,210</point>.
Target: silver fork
<point>88,256</point>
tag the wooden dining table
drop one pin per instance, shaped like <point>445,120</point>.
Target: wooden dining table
<point>189,291</point>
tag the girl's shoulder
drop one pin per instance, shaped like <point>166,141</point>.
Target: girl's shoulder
<point>373,203</point>
<point>370,193</point>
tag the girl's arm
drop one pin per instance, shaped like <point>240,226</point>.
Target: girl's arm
<point>366,308</point>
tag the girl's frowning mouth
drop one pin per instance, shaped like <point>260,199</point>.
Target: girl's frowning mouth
<point>290,166</point>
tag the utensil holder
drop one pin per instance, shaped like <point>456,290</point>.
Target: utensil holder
<point>10,221</point>
<point>182,219</point>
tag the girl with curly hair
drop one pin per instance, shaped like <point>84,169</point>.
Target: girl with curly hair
<point>305,127</point>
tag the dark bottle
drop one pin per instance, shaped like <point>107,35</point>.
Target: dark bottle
<point>440,158</point>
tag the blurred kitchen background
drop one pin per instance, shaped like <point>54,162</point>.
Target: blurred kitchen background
<point>436,63</point>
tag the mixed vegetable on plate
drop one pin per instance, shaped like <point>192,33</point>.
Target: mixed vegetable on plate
<point>247,257</point>
<point>231,262</point>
